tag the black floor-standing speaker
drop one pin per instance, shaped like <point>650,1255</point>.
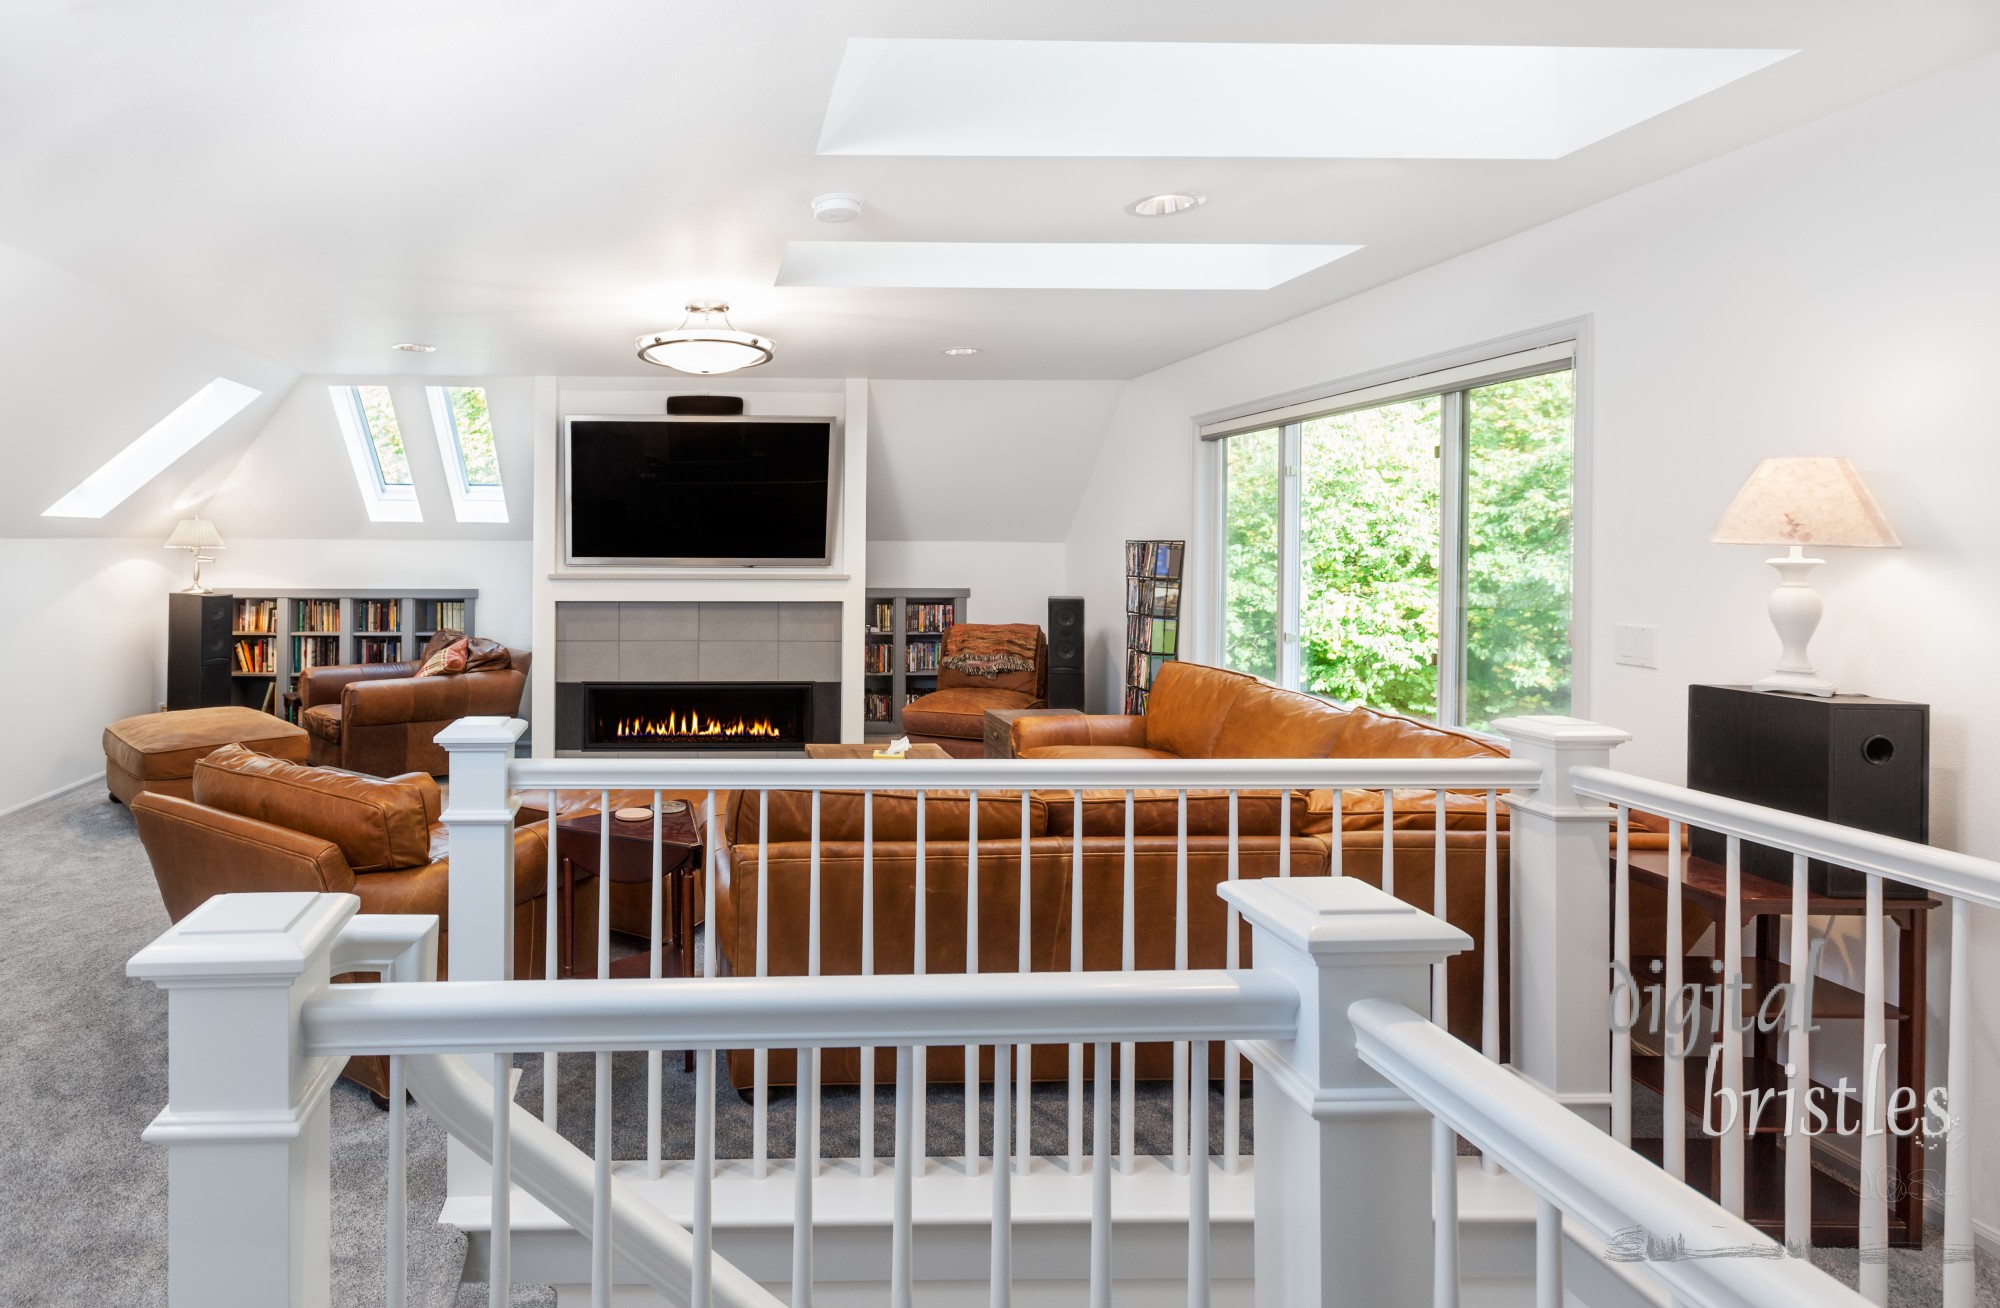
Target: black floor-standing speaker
<point>1066,651</point>
<point>1852,759</point>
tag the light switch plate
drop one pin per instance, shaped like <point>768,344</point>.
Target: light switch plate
<point>1634,646</point>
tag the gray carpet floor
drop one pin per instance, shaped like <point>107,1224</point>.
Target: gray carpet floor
<point>82,1071</point>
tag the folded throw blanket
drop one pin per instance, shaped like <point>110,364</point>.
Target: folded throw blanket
<point>980,649</point>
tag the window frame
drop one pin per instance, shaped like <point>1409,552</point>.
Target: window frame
<point>1447,375</point>
<point>384,502</point>
<point>469,503</point>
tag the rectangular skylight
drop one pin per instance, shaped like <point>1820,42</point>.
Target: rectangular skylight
<point>464,429</point>
<point>898,96</point>
<point>374,441</point>
<point>155,450</point>
<point>1050,265</point>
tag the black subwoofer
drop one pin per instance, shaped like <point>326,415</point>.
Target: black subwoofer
<point>1852,759</point>
<point>1066,651</point>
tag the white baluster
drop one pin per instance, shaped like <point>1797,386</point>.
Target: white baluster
<point>1075,966</point>
<point>1489,960</point>
<point>702,1291</point>
<point>1180,1155</point>
<point>1388,840</point>
<point>1001,1275</point>
<point>500,1223</point>
<point>551,956</point>
<point>1024,963</point>
<point>760,1061</point>
<point>1440,984</point>
<point>654,1166</point>
<point>805,1163</point>
<point>1672,1045</point>
<point>398,1217</point>
<point>1232,949</point>
<point>604,885</point>
<point>1444,1214</point>
<point>1958,1241</point>
<point>1198,1233</point>
<point>867,1106</point>
<point>1621,954</point>
<point>1285,832</point>
<point>1100,1181</point>
<point>1548,1254</point>
<point>971,967</point>
<point>600,1189</point>
<point>1874,1234</point>
<point>1798,1053</point>
<point>906,1147</point>
<point>1128,1051</point>
<point>919,1058</point>
<point>1338,834</point>
<point>1730,1015</point>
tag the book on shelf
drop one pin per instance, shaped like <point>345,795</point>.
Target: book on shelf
<point>447,615</point>
<point>378,615</point>
<point>929,619</point>
<point>921,657</point>
<point>317,615</point>
<point>1154,558</point>
<point>875,659</point>
<point>881,617</point>
<point>256,654</point>
<point>378,649</point>
<point>256,617</point>
<point>875,707</point>
<point>314,651</point>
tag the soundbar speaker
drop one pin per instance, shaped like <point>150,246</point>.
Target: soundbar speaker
<point>705,406</point>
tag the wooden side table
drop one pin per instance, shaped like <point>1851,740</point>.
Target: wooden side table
<point>1762,903</point>
<point>867,751</point>
<point>578,840</point>
<point>998,727</point>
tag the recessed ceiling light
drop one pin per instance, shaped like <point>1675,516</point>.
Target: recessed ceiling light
<point>959,351</point>
<point>414,347</point>
<point>1160,206</point>
<point>837,207</point>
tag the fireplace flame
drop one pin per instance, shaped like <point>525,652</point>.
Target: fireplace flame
<point>693,725</point>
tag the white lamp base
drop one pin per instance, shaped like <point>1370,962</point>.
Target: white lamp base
<point>1795,612</point>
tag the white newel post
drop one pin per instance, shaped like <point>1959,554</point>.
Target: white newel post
<point>1343,1158</point>
<point>480,820</point>
<point>1562,914</point>
<point>246,1119</point>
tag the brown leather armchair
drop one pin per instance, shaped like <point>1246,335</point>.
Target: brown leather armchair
<point>258,823</point>
<point>953,717</point>
<point>383,719</point>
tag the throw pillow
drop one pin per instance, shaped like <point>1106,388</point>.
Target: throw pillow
<point>447,662</point>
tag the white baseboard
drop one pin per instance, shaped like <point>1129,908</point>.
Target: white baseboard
<point>1986,1236</point>
<point>95,778</point>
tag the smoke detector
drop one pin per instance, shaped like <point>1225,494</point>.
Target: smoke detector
<point>837,207</point>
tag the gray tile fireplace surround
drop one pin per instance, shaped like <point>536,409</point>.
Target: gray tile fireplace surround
<point>709,640</point>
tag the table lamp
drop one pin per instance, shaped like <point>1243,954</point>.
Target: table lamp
<point>197,537</point>
<point>1800,502</point>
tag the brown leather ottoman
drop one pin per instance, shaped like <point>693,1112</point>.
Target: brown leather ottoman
<point>156,752</point>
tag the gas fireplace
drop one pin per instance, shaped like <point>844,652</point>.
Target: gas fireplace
<point>705,715</point>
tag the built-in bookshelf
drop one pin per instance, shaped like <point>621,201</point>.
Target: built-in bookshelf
<point>1152,614</point>
<point>251,649</point>
<point>905,638</point>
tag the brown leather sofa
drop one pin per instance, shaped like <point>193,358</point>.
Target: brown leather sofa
<point>953,717</point>
<point>383,719</point>
<point>257,823</point>
<point>1194,712</point>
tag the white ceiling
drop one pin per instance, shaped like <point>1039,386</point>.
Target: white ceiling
<point>531,185</point>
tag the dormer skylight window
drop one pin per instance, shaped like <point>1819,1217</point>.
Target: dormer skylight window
<point>464,429</point>
<point>374,440</point>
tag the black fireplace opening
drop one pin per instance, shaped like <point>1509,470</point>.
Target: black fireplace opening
<point>706,715</point>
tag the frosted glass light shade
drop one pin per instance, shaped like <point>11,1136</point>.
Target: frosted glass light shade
<point>705,350</point>
<point>1804,502</point>
<point>195,534</point>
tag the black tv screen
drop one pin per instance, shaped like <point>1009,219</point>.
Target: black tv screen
<point>693,491</point>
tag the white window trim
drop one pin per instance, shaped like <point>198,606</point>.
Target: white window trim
<point>1526,351</point>
<point>468,503</point>
<point>385,503</point>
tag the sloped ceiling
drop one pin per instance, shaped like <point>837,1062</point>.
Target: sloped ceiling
<point>982,460</point>
<point>84,372</point>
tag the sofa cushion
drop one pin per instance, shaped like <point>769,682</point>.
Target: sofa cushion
<point>895,816</point>
<point>1093,751</point>
<point>166,746</point>
<point>378,825</point>
<point>959,711</point>
<point>1265,721</point>
<point>1187,705</point>
<point>1371,733</point>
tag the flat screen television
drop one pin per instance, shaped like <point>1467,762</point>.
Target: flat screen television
<point>686,491</point>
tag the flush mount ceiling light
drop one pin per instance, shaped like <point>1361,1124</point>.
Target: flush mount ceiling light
<point>960,351</point>
<point>414,347</point>
<point>1164,205</point>
<point>837,207</point>
<point>704,347</point>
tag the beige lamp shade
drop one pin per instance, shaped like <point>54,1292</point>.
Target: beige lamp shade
<point>1804,502</point>
<point>195,534</point>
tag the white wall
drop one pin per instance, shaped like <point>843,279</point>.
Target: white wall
<point>1010,581</point>
<point>497,569</point>
<point>1830,291</point>
<point>90,634</point>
